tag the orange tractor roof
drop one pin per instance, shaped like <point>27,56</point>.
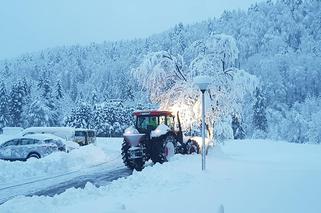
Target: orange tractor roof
<point>153,113</point>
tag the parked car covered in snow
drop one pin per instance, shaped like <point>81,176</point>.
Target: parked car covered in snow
<point>80,136</point>
<point>33,146</point>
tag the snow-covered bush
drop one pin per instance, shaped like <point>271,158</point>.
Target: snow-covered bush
<point>298,124</point>
<point>223,129</point>
<point>314,132</point>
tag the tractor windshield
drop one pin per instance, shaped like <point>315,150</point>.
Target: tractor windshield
<point>149,123</point>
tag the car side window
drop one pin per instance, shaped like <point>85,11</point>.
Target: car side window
<point>11,143</point>
<point>35,141</point>
<point>49,141</point>
<point>27,141</point>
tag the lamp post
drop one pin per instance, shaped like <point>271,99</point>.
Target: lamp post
<point>202,82</point>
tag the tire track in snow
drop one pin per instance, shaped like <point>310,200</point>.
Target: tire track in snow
<point>105,172</point>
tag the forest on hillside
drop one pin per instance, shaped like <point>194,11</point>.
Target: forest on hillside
<point>275,45</point>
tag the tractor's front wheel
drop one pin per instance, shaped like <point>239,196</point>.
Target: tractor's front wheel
<point>137,164</point>
<point>165,149</point>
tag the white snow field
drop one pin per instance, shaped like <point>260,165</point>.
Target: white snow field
<point>241,176</point>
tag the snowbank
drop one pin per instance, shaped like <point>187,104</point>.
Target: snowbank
<point>242,176</point>
<point>56,163</point>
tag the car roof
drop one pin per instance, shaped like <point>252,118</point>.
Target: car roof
<point>153,113</point>
<point>42,137</point>
<point>48,129</point>
<point>82,129</point>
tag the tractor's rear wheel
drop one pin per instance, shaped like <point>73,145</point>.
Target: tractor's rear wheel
<point>165,149</point>
<point>191,147</point>
<point>137,164</point>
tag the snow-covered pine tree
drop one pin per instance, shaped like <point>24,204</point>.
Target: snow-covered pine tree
<point>238,130</point>
<point>26,87</point>
<point>37,114</point>
<point>44,85</point>
<point>3,106</point>
<point>74,91</point>
<point>48,102</point>
<point>16,102</point>
<point>178,40</point>
<point>94,97</point>
<point>59,92</point>
<point>259,114</point>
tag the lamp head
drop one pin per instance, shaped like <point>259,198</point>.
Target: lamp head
<point>202,82</point>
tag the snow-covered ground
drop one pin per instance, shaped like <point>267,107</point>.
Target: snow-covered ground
<point>241,176</point>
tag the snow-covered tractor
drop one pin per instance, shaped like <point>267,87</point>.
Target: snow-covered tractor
<point>155,136</point>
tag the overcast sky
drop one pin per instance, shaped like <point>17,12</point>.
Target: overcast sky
<point>32,25</point>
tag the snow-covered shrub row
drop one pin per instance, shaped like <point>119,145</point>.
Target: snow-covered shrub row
<point>299,124</point>
<point>54,164</point>
<point>108,119</point>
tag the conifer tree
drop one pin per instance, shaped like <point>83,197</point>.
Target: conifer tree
<point>3,106</point>
<point>59,92</point>
<point>16,102</point>
<point>259,116</point>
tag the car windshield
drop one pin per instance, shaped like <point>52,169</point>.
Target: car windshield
<point>91,133</point>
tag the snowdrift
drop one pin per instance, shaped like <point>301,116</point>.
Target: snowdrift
<point>55,163</point>
<point>242,176</point>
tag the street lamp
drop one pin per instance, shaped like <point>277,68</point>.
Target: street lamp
<point>202,82</point>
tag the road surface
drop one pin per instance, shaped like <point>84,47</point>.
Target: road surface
<point>99,175</point>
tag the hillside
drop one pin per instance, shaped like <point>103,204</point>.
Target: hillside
<point>279,42</point>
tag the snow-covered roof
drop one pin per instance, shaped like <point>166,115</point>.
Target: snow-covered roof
<point>63,132</point>
<point>42,136</point>
<point>12,130</point>
<point>44,129</point>
<point>82,129</point>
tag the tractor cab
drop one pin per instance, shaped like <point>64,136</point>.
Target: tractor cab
<point>147,121</point>
<point>156,137</point>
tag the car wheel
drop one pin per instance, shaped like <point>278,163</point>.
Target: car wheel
<point>33,156</point>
